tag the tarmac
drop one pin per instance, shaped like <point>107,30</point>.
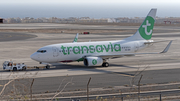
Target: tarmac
<point>156,69</point>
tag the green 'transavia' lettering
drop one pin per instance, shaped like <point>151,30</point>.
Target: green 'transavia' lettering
<point>117,46</point>
<point>91,49</point>
<point>76,48</point>
<point>63,48</point>
<point>106,48</point>
<point>69,49</point>
<point>99,48</point>
<point>111,47</point>
<point>82,47</point>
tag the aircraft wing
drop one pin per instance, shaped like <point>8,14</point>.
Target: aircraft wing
<point>133,54</point>
<point>156,41</point>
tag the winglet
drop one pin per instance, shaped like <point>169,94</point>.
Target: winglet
<point>167,47</point>
<point>76,38</point>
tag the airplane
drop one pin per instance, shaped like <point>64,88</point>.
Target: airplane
<point>97,53</point>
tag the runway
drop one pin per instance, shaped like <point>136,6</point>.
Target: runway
<point>156,69</point>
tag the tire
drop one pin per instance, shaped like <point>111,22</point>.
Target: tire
<point>24,68</point>
<point>105,64</point>
<point>15,69</point>
<point>47,67</point>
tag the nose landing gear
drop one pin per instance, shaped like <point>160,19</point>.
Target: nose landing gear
<point>47,65</point>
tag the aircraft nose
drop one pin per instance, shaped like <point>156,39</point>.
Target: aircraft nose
<point>34,56</point>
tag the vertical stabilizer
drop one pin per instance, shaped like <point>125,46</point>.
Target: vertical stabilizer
<point>76,38</point>
<point>146,29</point>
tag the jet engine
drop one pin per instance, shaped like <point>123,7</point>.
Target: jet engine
<point>93,61</point>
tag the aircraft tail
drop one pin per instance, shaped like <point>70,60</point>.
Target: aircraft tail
<point>145,30</point>
<point>76,38</point>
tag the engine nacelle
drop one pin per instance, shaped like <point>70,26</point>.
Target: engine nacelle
<point>93,61</point>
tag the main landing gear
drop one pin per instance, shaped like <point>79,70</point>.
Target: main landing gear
<point>47,66</point>
<point>105,64</point>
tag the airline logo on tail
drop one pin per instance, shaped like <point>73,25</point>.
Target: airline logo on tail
<point>146,28</point>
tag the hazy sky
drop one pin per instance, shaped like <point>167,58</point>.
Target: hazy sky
<point>87,8</point>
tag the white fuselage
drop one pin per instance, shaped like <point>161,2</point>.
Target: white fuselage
<point>96,53</point>
<point>67,52</point>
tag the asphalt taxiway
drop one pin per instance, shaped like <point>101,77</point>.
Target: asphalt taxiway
<point>10,36</point>
<point>156,69</point>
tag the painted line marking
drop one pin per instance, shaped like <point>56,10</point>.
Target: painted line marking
<point>124,74</point>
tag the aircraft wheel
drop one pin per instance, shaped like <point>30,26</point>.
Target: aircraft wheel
<point>47,66</point>
<point>14,69</point>
<point>105,64</point>
<point>24,68</point>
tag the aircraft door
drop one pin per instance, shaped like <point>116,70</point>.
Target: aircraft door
<point>55,51</point>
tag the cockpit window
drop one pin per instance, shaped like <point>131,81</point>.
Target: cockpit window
<point>41,51</point>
